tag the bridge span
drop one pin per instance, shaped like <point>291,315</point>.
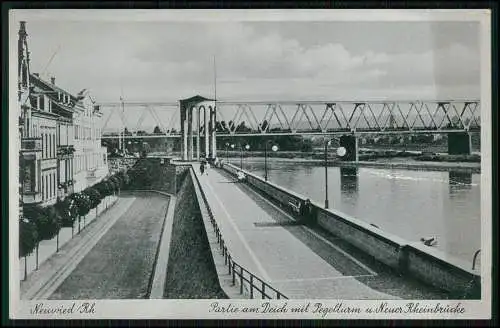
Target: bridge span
<point>199,120</point>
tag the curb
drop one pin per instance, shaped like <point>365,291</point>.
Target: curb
<point>157,286</point>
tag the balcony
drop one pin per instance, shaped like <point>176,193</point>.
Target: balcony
<point>91,174</point>
<point>31,144</point>
<point>65,189</point>
<point>65,151</point>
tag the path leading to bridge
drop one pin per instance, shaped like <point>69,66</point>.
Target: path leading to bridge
<point>299,262</point>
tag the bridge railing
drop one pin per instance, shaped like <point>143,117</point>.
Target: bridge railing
<point>239,274</point>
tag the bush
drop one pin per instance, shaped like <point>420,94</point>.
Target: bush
<point>28,237</point>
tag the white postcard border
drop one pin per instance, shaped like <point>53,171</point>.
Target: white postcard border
<point>200,309</point>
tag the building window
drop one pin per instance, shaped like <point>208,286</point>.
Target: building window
<point>45,145</point>
<point>46,187</point>
<point>42,103</point>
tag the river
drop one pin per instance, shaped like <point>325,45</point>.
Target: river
<point>408,203</point>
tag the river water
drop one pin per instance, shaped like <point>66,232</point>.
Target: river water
<point>408,203</point>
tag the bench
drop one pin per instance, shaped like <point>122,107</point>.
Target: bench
<point>295,206</point>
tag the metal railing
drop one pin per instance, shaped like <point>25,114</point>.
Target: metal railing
<point>238,272</point>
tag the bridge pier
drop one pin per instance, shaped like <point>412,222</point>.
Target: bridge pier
<point>459,143</point>
<point>205,130</point>
<point>348,180</point>
<point>190,132</point>
<point>213,139</point>
<point>189,109</point>
<point>198,133</point>
<point>350,143</point>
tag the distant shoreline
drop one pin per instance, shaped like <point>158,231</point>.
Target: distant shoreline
<point>427,166</point>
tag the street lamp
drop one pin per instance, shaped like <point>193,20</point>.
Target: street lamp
<point>341,151</point>
<point>273,148</point>
<point>232,147</point>
<point>326,172</point>
<point>227,147</point>
<point>247,147</point>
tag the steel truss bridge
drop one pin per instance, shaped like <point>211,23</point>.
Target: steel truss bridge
<point>259,118</point>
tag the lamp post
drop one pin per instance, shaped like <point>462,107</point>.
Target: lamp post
<point>232,147</point>
<point>273,148</point>
<point>247,147</point>
<point>327,143</point>
<point>341,151</point>
<point>227,147</point>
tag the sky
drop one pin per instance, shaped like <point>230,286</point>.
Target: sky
<point>257,60</point>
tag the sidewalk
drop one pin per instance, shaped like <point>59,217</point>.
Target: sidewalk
<point>41,283</point>
<point>258,241</point>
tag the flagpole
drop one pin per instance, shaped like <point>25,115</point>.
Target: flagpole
<point>215,82</point>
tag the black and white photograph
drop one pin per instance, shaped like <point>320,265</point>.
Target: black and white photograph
<point>249,164</point>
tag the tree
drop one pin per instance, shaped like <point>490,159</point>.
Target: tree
<point>46,220</point>
<point>28,237</point>
<point>28,240</point>
<point>94,196</point>
<point>264,125</point>
<point>83,205</point>
<point>157,130</point>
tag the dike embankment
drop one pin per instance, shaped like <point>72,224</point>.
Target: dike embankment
<point>190,269</point>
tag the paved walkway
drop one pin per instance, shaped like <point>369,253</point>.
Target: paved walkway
<point>287,257</point>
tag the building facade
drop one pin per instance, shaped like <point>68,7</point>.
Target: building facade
<point>91,163</point>
<point>60,137</point>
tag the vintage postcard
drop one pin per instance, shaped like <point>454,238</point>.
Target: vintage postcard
<point>263,164</point>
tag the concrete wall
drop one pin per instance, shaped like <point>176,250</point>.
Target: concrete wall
<point>427,265</point>
<point>386,249</point>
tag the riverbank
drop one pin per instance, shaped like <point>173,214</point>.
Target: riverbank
<point>393,163</point>
<point>365,154</point>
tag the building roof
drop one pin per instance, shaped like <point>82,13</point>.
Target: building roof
<point>194,100</point>
<point>36,77</point>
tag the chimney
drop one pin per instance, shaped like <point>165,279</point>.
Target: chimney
<point>53,80</point>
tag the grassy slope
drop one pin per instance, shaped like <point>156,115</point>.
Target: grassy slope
<point>191,272</point>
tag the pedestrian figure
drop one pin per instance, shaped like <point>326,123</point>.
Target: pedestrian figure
<point>241,176</point>
<point>306,212</point>
<point>202,168</point>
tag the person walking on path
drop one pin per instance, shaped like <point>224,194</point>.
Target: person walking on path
<point>307,212</point>
<point>208,167</point>
<point>202,168</point>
